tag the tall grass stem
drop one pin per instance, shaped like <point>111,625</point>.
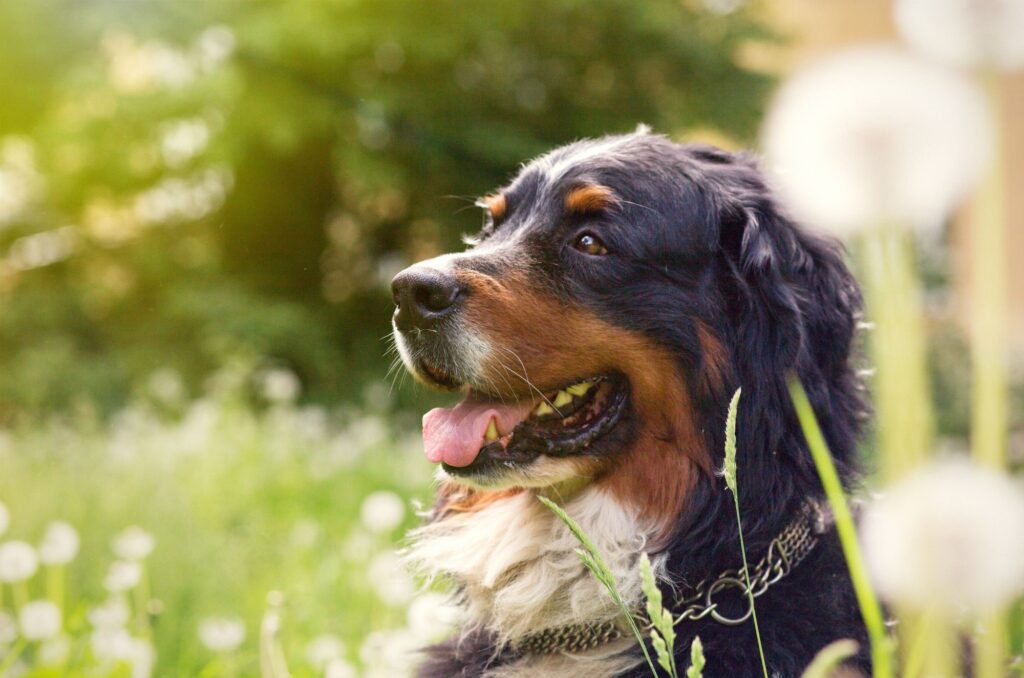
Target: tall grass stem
<point>731,479</point>
<point>898,351</point>
<point>871,610</point>
<point>989,395</point>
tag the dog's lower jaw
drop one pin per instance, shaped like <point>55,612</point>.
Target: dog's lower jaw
<point>516,566</point>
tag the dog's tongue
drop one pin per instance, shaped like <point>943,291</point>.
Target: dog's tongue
<point>456,435</point>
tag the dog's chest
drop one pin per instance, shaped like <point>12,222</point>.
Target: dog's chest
<point>516,563</point>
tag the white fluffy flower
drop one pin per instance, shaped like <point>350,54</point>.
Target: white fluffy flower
<point>431,616</point>
<point>324,649</point>
<point>39,620</point>
<point>875,136</point>
<point>134,543</point>
<point>390,580</point>
<point>280,385</point>
<point>18,561</point>
<point>142,658</point>
<point>5,518</point>
<point>123,575</point>
<point>952,535</point>
<point>965,32</point>
<point>54,651</point>
<point>339,668</point>
<point>59,545</point>
<point>382,511</point>
<point>221,634</point>
<point>112,614</point>
<point>8,629</point>
<point>112,644</point>
<point>391,652</point>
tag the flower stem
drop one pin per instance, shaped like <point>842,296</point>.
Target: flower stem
<point>8,660</point>
<point>898,351</point>
<point>989,396</point>
<point>55,585</point>
<point>19,589</point>
<point>871,610</point>
<point>750,592</point>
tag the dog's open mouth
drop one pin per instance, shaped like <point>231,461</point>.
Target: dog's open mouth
<point>483,433</point>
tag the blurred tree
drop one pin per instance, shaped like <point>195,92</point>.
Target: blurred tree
<point>183,182</point>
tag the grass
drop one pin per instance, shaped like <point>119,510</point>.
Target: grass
<point>242,505</point>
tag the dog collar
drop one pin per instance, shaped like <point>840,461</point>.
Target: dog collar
<point>786,551</point>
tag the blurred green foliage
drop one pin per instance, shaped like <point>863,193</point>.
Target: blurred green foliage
<point>184,182</point>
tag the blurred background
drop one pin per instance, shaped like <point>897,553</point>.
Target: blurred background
<point>201,207</point>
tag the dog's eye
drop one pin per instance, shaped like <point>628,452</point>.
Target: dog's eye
<point>588,243</point>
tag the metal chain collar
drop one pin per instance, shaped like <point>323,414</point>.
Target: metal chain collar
<point>784,553</point>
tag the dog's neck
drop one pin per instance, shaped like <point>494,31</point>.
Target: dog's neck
<point>516,565</point>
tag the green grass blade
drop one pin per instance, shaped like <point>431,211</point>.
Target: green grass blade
<point>730,480</point>
<point>829,658</point>
<point>881,647</point>
<point>593,561</point>
<point>696,669</point>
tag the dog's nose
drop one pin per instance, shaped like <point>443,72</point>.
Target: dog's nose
<point>423,296</point>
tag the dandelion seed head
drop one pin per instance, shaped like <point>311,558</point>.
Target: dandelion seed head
<point>8,629</point>
<point>114,613</point>
<point>134,543</point>
<point>965,32</point>
<point>59,545</point>
<point>123,575</point>
<point>54,651</point>
<point>323,650</point>
<point>112,644</point>
<point>875,136</point>
<point>221,634</point>
<point>382,511</point>
<point>280,386</point>
<point>952,534</point>
<point>431,616</point>
<point>142,658</point>
<point>39,620</point>
<point>389,652</point>
<point>18,561</point>
<point>390,580</point>
<point>339,668</point>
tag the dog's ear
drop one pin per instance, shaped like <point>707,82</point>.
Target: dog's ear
<point>793,310</point>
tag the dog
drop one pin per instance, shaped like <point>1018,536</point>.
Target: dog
<point>619,293</point>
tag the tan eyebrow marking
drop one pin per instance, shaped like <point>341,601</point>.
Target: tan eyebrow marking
<point>590,199</point>
<point>495,204</point>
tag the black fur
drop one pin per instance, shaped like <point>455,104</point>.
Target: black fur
<point>699,236</point>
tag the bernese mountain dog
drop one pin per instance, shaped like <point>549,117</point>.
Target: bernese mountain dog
<point>619,292</point>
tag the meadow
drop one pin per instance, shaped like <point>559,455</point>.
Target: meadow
<point>204,470</point>
<point>261,515</point>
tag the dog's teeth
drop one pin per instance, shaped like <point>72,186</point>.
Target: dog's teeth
<point>580,389</point>
<point>543,409</point>
<point>562,398</point>
<point>492,430</point>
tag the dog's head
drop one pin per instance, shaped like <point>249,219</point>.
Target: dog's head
<point>619,292</point>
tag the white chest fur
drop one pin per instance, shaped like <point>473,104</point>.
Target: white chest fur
<point>517,564</point>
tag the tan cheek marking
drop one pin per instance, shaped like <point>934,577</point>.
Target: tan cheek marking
<point>496,204</point>
<point>553,343</point>
<point>590,199</point>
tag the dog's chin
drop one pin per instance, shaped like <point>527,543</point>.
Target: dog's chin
<point>567,475</point>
